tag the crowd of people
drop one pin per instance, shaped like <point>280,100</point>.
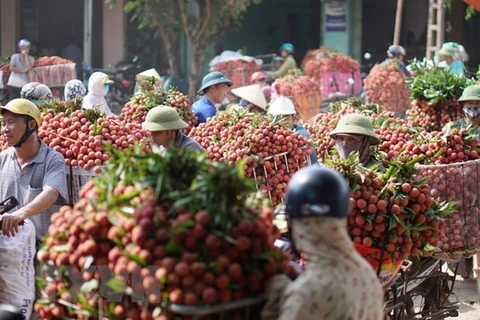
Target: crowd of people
<point>317,200</point>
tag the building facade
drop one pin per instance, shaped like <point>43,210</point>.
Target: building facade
<point>53,24</point>
<point>353,27</point>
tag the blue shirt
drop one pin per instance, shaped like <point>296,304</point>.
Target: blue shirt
<point>204,109</point>
<point>298,128</point>
<point>456,67</point>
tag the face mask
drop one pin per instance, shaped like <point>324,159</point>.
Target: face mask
<point>39,102</point>
<point>345,148</point>
<point>471,112</point>
<point>106,88</point>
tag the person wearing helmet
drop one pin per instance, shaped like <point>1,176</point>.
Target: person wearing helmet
<point>214,89</point>
<point>470,100</point>
<point>98,87</point>
<point>448,61</point>
<point>164,125</point>
<point>278,61</point>
<point>36,92</point>
<point>260,78</point>
<point>74,89</point>
<point>31,171</point>
<point>283,106</point>
<point>396,54</point>
<point>337,282</point>
<point>354,132</point>
<point>34,174</point>
<point>252,98</point>
<point>20,64</point>
<point>286,51</point>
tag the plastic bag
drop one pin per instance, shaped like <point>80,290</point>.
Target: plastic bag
<point>17,273</point>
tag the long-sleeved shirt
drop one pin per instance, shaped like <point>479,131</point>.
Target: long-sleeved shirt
<point>456,67</point>
<point>287,65</point>
<point>184,142</point>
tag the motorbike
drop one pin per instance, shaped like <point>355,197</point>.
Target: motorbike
<point>421,290</point>
<point>123,78</point>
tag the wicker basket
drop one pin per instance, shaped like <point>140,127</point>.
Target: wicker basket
<point>308,105</point>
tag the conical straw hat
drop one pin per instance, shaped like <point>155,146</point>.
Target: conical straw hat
<point>252,94</point>
<point>150,73</point>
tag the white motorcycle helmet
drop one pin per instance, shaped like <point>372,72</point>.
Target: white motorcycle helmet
<point>282,106</point>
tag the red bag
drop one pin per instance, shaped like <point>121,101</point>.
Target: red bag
<point>388,268</point>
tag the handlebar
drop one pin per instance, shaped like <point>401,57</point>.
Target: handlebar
<point>7,205</point>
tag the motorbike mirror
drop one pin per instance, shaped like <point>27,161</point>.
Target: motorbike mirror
<point>367,56</point>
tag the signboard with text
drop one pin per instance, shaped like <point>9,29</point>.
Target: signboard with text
<point>336,15</point>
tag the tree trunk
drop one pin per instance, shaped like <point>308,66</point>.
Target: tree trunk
<point>172,54</point>
<point>196,70</point>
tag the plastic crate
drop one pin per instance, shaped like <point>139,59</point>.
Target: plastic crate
<point>457,182</point>
<point>76,178</point>
<point>308,105</point>
<point>240,76</point>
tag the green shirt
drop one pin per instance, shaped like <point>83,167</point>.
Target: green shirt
<point>460,124</point>
<point>372,161</point>
<point>287,65</point>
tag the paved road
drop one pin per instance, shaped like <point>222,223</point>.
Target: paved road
<point>469,297</point>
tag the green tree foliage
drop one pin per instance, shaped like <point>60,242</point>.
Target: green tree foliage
<point>201,21</point>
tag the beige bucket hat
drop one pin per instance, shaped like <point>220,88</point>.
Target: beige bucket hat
<point>163,118</point>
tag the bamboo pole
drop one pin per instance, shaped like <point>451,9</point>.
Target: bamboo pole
<point>398,23</point>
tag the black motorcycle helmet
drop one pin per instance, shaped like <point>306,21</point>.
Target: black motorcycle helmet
<point>8,312</point>
<point>317,192</point>
<point>36,91</point>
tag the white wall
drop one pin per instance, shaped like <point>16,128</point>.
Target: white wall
<point>113,35</point>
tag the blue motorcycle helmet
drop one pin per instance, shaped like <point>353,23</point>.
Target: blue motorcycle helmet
<point>317,191</point>
<point>287,47</point>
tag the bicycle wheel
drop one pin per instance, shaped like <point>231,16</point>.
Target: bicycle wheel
<point>431,300</point>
